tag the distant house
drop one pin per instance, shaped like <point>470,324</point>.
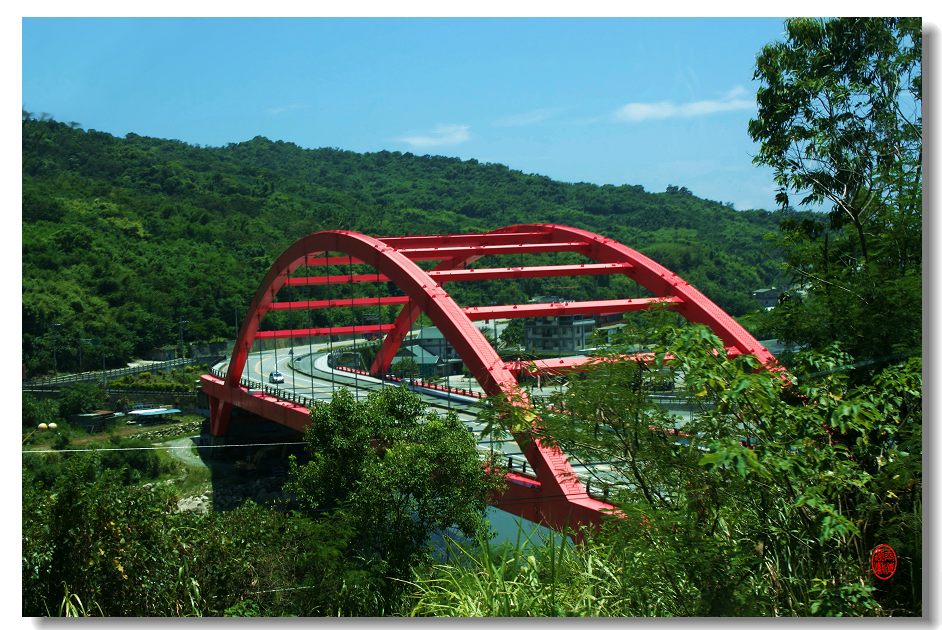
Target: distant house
<point>93,421</point>
<point>164,353</point>
<point>427,362</point>
<point>767,298</point>
<point>433,342</point>
<point>145,416</point>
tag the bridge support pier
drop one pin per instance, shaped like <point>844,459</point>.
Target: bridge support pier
<point>220,413</point>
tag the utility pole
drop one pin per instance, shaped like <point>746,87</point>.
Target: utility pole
<point>55,348</point>
<point>180,324</point>
<point>82,342</point>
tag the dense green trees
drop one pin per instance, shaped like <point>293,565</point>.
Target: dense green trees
<point>123,237</point>
<point>765,500</point>
<point>840,121</point>
<point>393,475</point>
<point>81,398</point>
<point>36,410</point>
<point>383,477</point>
<point>94,545</point>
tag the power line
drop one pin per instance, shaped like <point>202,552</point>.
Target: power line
<point>159,448</point>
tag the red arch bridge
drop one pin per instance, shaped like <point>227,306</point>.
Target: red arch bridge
<point>551,493</point>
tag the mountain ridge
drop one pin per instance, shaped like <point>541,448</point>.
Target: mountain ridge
<point>123,237</point>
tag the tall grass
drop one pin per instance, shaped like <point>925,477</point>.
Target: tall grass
<point>532,578</point>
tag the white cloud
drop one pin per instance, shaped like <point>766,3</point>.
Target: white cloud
<point>639,112</point>
<point>439,136</point>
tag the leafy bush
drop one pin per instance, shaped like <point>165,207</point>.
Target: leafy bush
<point>37,410</point>
<point>81,398</point>
<point>770,498</point>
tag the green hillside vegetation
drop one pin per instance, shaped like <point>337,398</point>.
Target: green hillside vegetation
<point>123,237</point>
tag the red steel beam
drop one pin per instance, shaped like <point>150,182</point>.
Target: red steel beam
<point>570,364</point>
<point>264,405</point>
<point>659,280</point>
<point>319,261</point>
<point>305,281</point>
<point>440,242</point>
<point>487,273</point>
<point>562,364</point>
<point>436,253</point>
<point>323,332</point>
<point>339,303</point>
<point>553,309</point>
<point>403,323</point>
<point>499,273</point>
<point>464,240</point>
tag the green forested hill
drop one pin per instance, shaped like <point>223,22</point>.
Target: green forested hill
<point>122,237</point>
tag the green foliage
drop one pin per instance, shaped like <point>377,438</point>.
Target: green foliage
<point>81,398</point>
<point>768,500</point>
<point>176,380</point>
<point>512,335</point>
<point>394,475</point>
<point>840,122</point>
<point>405,368</point>
<point>96,543</point>
<point>37,410</point>
<point>100,541</point>
<point>134,465</point>
<point>528,579</point>
<point>126,466</point>
<point>120,550</point>
<point>275,564</point>
<point>840,113</point>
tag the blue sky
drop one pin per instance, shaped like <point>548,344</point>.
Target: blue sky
<point>609,101</point>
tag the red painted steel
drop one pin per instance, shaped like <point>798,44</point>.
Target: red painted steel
<point>545,271</point>
<point>465,240</point>
<point>556,497</point>
<point>365,329</point>
<point>341,303</point>
<point>338,261</point>
<point>284,412</point>
<point>438,253</point>
<point>556,309</point>
<point>570,364</point>
<point>305,281</point>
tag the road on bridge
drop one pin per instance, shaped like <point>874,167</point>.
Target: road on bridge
<point>320,382</point>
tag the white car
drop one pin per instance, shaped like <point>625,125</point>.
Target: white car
<point>276,377</point>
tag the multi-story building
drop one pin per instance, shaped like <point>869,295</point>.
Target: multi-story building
<point>562,334</point>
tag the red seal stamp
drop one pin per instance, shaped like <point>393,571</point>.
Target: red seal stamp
<point>883,562</point>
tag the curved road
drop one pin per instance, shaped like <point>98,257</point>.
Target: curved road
<point>323,384</point>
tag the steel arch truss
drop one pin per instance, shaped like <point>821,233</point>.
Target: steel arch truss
<point>555,496</point>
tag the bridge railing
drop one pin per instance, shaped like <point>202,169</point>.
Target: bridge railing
<point>418,382</point>
<point>277,392</point>
<point>84,377</point>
